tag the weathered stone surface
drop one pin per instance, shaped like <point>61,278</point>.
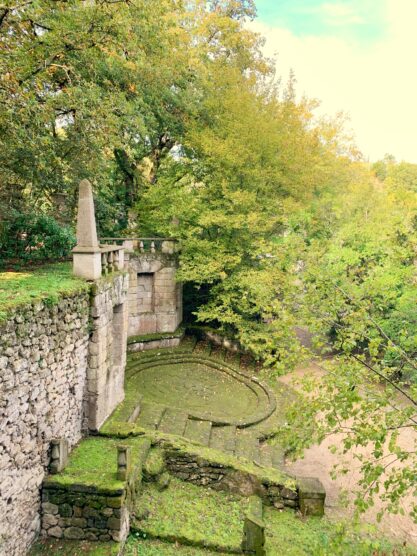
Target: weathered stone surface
<point>43,355</point>
<point>114,523</point>
<point>312,496</point>
<point>254,528</point>
<point>74,533</point>
<point>48,508</point>
<point>49,520</point>
<point>55,532</point>
<point>107,348</point>
<point>155,298</point>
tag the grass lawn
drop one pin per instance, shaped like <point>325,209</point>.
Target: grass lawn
<point>50,547</point>
<point>139,547</point>
<point>46,283</point>
<point>94,463</point>
<point>191,515</point>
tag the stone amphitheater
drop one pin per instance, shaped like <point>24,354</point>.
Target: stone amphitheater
<point>107,391</point>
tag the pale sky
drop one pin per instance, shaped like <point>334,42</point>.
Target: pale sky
<point>355,56</point>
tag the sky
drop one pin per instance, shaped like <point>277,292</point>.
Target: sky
<point>355,56</point>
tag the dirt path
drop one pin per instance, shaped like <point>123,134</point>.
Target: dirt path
<point>319,461</point>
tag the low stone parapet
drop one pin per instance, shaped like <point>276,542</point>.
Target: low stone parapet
<point>147,342</point>
<point>84,514</point>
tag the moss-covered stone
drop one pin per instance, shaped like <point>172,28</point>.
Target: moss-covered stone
<point>144,338</point>
<point>92,466</point>
<point>22,292</point>
<point>154,465</point>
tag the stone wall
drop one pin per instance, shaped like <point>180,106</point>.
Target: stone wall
<point>81,515</point>
<point>155,298</point>
<point>107,348</point>
<point>306,494</point>
<point>61,373</point>
<point>220,476</point>
<point>43,368</point>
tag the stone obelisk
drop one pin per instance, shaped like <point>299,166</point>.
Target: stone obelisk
<point>86,254</point>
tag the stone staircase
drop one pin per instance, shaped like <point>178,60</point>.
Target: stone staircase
<point>242,442</point>
<point>228,439</point>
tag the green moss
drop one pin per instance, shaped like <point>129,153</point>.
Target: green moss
<point>48,284</point>
<point>179,332</point>
<point>136,546</point>
<point>289,535</point>
<point>98,285</point>
<point>74,548</point>
<point>155,463</point>
<point>93,463</point>
<point>191,515</point>
<point>264,475</point>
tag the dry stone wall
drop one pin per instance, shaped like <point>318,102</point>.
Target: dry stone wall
<point>43,368</point>
<point>82,515</point>
<point>61,374</point>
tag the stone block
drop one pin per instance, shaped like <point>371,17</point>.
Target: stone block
<point>124,464</point>
<point>114,523</point>
<point>59,455</point>
<point>49,520</point>
<point>87,265</point>
<point>74,533</point>
<point>49,508</point>
<point>254,528</point>
<point>55,532</point>
<point>312,496</point>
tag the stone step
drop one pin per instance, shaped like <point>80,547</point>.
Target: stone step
<point>218,352</point>
<point>150,416</point>
<point>202,347</point>
<point>247,446</point>
<point>188,343</point>
<point>198,431</point>
<point>233,358</point>
<point>278,457</point>
<point>223,438</point>
<point>265,453</point>
<point>248,364</point>
<point>173,422</point>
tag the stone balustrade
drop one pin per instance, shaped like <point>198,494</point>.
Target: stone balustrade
<point>145,244</point>
<point>112,258</point>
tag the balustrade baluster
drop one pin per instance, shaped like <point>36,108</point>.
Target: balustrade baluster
<point>104,263</point>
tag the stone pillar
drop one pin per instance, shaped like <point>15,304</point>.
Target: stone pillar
<point>312,496</point>
<point>86,254</point>
<point>59,455</point>
<point>123,462</point>
<point>254,528</point>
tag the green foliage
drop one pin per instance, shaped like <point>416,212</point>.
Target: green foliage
<point>30,238</point>
<point>357,294</point>
<point>47,284</point>
<point>104,91</point>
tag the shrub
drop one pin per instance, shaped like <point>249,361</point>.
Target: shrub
<point>34,238</point>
